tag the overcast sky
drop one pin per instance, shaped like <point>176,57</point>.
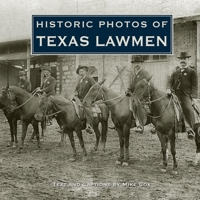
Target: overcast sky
<point>15,15</point>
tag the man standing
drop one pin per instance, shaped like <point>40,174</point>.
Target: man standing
<point>49,83</point>
<point>23,83</point>
<point>184,82</point>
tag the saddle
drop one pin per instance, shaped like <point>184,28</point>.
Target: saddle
<point>78,105</point>
<point>96,110</point>
<point>196,107</point>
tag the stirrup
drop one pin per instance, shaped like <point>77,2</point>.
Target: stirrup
<point>191,134</point>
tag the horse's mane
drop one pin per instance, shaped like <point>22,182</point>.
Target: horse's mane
<point>1,102</point>
<point>60,100</point>
<point>104,88</point>
<point>16,89</point>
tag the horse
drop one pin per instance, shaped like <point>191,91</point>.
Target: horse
<point>121,115</point>
<point>12,121</point>
<point>15,98</point>
<point>65,110</point>
<point>163,116</point>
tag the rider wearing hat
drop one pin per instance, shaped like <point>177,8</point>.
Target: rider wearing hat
<point>137,74</point>
<point>24,83</point>
<point>184,82</point>
<point>84,83</point>
<point>49,83</point>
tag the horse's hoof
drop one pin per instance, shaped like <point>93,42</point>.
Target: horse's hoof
<point>174,172</point>
<point>118,162</point>
<point>72,159</point>
<point>41,140</point>
<point>9,144</point>
<point>84,159</point>
<point>125,164</point>
<point>19,151</point>
<point>163,170</point>
<point>14,146</point>
<point>95,148</point>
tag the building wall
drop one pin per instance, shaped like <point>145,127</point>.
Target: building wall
<point>185,39</point>
<point>13,75</point>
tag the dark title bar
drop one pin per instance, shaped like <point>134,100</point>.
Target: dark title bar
<point>101,34</point>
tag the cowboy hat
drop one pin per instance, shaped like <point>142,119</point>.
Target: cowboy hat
<point>48,68</point>
<point>183,55</point>
<point>22,73</point>
<point>81,67</point>
<point>137,59</point>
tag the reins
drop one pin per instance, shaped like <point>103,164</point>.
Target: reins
<point>152,101</point>
<point>103,99</point>
<point>24,102</point>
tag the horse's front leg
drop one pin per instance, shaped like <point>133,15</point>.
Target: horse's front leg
<point>121,143</point>
<point>11,133</point>
<point>71,138</point>
<point>80,137</point>
<point>126,132</point>
<point>197,141</point>
<point>24,130</point>
<point>37,134</point>
<point>15,133</point>
<point>172,138</point>
<point>43,127</point>
<point>97,132</point>
<point>163,141</point>
<point>104,131</point>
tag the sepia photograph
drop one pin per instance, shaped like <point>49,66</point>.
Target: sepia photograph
<point>96,104</point>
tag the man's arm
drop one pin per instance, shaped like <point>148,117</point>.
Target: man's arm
<point>51,86</point>
<point>194,84</point>
<point>28,87</point>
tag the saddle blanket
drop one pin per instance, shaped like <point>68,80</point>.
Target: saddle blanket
<point>96,110</point>
<point>196,107</point>
<point>79,108</point>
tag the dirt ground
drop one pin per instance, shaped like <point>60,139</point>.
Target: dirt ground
<point>47,174</point>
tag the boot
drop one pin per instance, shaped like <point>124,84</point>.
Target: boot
<point>140,129</point>
<point>191,134</point>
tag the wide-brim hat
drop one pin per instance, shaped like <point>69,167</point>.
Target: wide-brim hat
<point>22,73</point>
<point>137,59</point>
<point>48,68</point>
<point>81,67</point>
<point>183,55</point>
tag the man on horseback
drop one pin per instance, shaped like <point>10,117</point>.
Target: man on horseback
<point>84,83</point>
<point>48,86</point>
<point>137,74</point>
<point>82,88</point>
<point>184,82</point>
<point>24,83</point>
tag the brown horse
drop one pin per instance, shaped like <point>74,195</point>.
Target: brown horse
<point>121,115</point>
<point>12,121</point>
<point>163,115</point>
<point>65,110</point>
<point>16,98</point>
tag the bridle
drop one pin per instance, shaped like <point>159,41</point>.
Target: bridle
<point>103,98</point>
<point>47,108</point>
<point>149,102</point>
<point>10,100</point>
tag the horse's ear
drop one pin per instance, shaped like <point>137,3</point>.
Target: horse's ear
<point>149,78</point>
<point>5,87</point>
<point>102,82</point>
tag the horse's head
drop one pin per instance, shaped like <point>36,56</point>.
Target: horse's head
<point>142,89</point>
<point>94,94</point>
<point>9,99</point>
<point>44,106</point>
